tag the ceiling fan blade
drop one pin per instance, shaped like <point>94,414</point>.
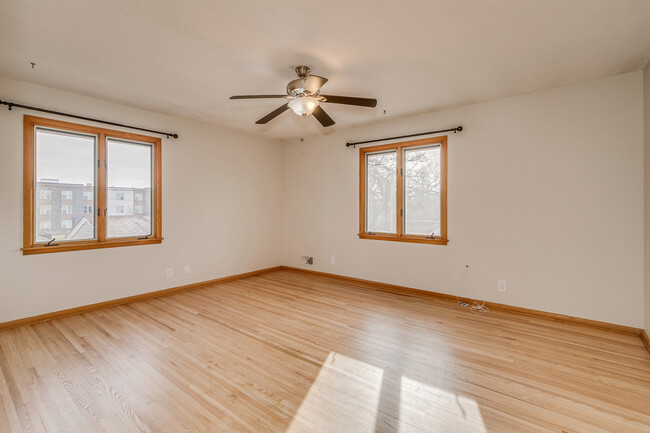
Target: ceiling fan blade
<point>323,117</point>
<point>313,83</point>
<point>273,114</point>
<point>257,96</point>
<point>350,100</point>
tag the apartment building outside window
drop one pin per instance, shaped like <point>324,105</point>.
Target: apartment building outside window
<point>72,170</point>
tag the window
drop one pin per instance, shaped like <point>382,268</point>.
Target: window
<point>105,166</point>
<point>129,169</point>
<point>403,191</point>
<point>139,197</point>
<point>45,194</point>
<point>139,209</point>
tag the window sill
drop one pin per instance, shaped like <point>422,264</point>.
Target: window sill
<point>413,239</point>
<point>90,245</point>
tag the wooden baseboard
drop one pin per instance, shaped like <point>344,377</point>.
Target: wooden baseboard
<point>382,286</point>
<point>129,299</point>
<point>492,305</point>
<point>645,339</point>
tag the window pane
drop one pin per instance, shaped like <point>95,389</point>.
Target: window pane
<point>129,189</point>
<point>381,192</point>
<point>422,191</point>
<point>65,172</point>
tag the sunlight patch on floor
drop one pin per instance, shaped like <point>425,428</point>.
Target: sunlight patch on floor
<point>343,398</point>
<point>433,409</point>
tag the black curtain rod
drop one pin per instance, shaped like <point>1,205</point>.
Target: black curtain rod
<point>10,105</point>
<point>456,129</point>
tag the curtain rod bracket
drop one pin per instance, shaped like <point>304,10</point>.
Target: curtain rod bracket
<point>10,105</point>
<point>354,144</point>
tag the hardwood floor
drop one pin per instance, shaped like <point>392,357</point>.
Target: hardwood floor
<point>289,352</point>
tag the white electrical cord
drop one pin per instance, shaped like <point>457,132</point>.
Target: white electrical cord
<point>476,307</point>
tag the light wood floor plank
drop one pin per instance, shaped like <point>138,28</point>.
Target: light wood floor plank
<point>290,352</point>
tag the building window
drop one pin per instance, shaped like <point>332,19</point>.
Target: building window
<point>82,159</point>
<point>403,191</point>
<point>120,209</point>
<point>45,194</point>
<point>139,197</point>
<point>139,210</point>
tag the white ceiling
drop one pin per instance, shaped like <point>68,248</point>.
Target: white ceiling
<point>187,57</point>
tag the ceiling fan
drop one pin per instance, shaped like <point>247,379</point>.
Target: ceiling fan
<point>305,98</point>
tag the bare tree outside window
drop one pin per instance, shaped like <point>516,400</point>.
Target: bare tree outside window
<point>403,191</point>
<point>381,192</point>
<point>422,191</point>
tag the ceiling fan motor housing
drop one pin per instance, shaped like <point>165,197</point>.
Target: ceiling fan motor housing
<point>295,87</point>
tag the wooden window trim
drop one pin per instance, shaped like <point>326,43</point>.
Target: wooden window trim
<point>29,245</point>
<point>400,236</point>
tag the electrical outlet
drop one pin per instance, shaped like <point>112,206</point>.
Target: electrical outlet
<point>501,285</point>
<point>187,269</point>
<point>332,260</point>
<point>170,272</point>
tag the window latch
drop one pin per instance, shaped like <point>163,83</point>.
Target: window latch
<point>50,244</point>
<point>105,211</point>
<point>401,212</point>
<point>145,237</point>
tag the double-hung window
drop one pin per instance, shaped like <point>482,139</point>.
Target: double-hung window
<point>73,174</point>
<point>403,191</point>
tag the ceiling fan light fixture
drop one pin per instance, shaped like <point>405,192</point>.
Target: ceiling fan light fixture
<point>303,105</point>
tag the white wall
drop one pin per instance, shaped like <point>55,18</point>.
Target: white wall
<point>222,206</point>
<point>545,191</point>
<point>646,171</point>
